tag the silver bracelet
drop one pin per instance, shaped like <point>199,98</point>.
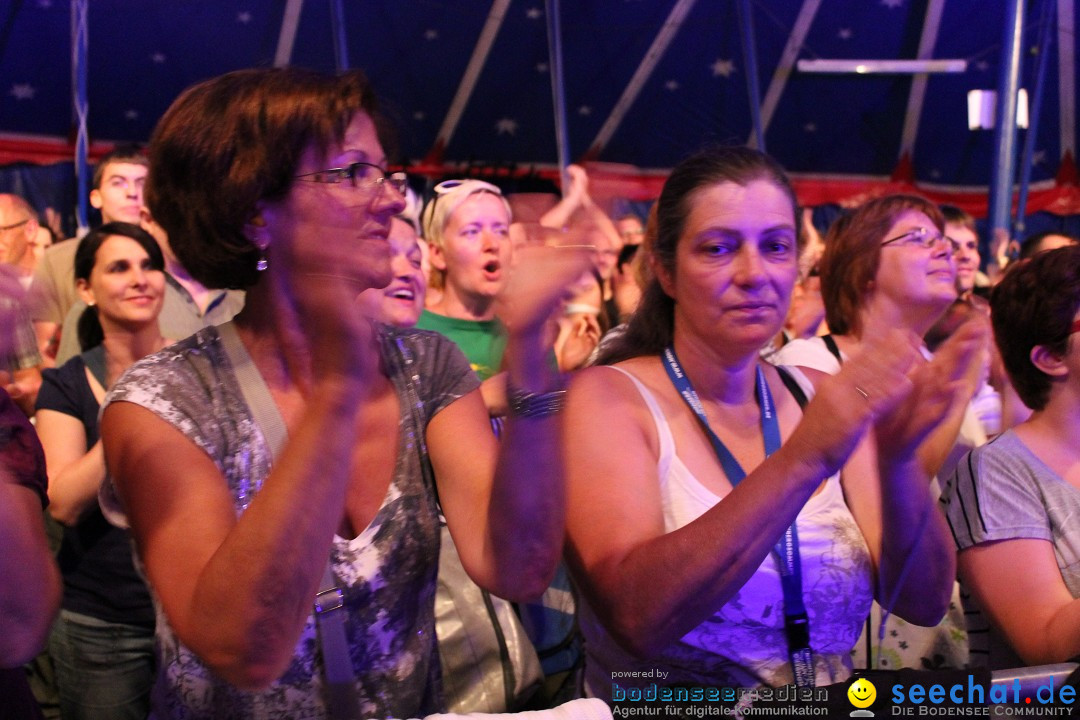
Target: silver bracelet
<point>534,405</point>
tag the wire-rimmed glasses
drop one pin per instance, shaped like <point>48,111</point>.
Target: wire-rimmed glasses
<point>360,174</point>
<point>924,238</point>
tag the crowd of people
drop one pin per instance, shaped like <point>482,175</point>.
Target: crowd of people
<point>312,447</point>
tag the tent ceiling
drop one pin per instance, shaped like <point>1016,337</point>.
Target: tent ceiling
<point>646,81</point>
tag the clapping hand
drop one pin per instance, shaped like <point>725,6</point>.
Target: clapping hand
<point>871,385</point>
<point>539,280</point>
<point>944,384</point>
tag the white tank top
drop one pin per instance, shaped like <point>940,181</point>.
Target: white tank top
<point>743,643</point>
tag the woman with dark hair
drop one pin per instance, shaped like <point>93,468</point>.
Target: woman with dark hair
<point>1012,504</point>
<point>687,566</point>
<point>279,472</point>
<point>102,645</point>
<point>1044,242</point>
<point>888,264</point>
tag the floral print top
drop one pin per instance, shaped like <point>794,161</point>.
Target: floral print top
<point>387,572</point>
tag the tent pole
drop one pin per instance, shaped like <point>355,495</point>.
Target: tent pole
<point>1005,121</point>
<point>287,36</point>
<point>558,89</point>
<point>78,85</point>
<point>749,48</point>
<point>341,48</point>
<point>1033,118</point>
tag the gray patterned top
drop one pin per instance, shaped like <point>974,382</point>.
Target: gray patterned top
<point>388,570</point>
<point>1003,491</point>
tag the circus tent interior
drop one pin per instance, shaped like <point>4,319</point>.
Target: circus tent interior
<point>854,97</point>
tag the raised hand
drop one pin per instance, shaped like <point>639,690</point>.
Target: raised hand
<point>538,282</point>
<point>316,271</point>
<point>579,184</point>
<point>869,386</point>
<point>578,337</point>
<point>942,385</point>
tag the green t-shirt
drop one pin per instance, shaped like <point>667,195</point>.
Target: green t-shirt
<point>482,341</point>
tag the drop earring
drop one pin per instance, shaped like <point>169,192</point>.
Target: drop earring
<point>262,242</point>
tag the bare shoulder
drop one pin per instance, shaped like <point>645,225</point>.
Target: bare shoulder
<point>603,392</point>
<point>606,381</point>
<point>612,452</point>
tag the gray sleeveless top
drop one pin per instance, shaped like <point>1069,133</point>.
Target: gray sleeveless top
<point>388,570</point>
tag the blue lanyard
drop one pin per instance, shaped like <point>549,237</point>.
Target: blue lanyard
<point>796,623</point>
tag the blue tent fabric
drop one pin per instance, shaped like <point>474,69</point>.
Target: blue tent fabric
<point>44,186</point>
<point>141,55</point>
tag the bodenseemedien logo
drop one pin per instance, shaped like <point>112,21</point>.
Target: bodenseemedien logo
<point>862,694</point>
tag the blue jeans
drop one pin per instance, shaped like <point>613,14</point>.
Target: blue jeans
<point>104,671</point>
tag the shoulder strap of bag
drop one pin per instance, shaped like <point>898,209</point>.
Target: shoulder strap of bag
<point>94,360</point>
<point>329,601</point>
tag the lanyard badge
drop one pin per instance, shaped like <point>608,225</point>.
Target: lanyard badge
<point>796,622</point>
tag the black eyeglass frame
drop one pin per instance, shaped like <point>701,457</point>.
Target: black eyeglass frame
<point>926,241</point>
<point>334,176</point>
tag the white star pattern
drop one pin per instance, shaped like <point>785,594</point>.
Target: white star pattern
<point>541,67</point>
<point>431,34</point>
<point>723,68</point>
<point>23,91</point>
<point>810,127</point>
<point>935,173</point>
<point>584,110</point>
<point>243,17</point>
<point>982,65</point>
<point>892,3</point>
<point>844,34</point>
<point>507,126</point>
<point>418,116</point>
<point>44,4</point>
<point>1038,157</point>
<point>131,115</point>
<point>534,13</point>
<point>158,58</point>
<point>672,85</point>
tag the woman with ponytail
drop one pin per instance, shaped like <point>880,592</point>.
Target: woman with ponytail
<point>103,642</point>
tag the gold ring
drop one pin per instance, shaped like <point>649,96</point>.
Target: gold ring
<point>866,395</point>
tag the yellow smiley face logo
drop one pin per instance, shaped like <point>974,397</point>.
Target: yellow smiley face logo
<point>862,693</point>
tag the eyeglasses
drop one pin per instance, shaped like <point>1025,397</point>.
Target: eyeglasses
<point>5,228</point>
<point>359,174</point>
<point>921,237</point>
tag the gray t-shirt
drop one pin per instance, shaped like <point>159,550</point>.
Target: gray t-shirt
<point>388,571</point>
<point>1002,491</point>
